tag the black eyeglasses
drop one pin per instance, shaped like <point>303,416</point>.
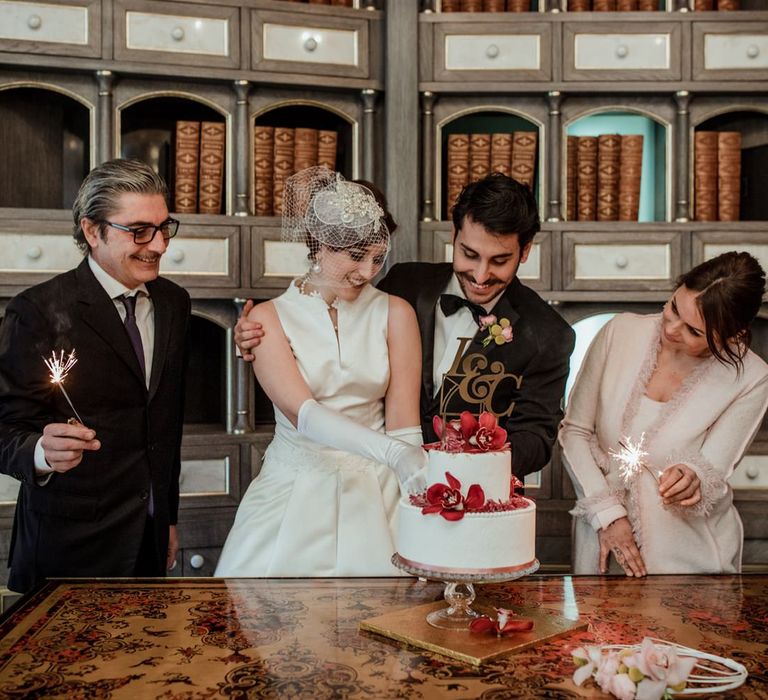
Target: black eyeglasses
<point>144,234</point>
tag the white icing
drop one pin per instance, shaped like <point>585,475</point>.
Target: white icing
<point>477,541</point>
<point>492,470</point>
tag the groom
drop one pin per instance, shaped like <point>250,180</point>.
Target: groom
<point>521,377</point>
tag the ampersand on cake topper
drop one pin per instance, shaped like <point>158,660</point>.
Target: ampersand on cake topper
<point>474,382</point>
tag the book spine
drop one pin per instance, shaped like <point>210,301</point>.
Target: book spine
<point>326,148</point>
<point>471,5</point>
<point>263,164</point>
<point>578,6</point>
<point>341,3</point>
<point>284,145</point>
<point>705,176</point>
<point>304,149</point>
<point>458,167</point>
<point>703,5</point>
<point>608,154</point>
<point>479,156</point>
<point>187,166</point>
<point>524,156</point>
<point>727,5</point>
<point>518,5</point>
<point>604,5</point>
<point>728,175</point>
<point>571,158</point>
<point>212,144</point>
<point>586,178</point>
<point>493,5</point>
<point>630,176</point>
<point>501,154</point>
<point>648,5</point>
<point>626,5</point>
<point>450,6</point>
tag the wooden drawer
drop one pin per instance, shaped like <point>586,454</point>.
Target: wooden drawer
<point>210,473</point>
<point>62,27</point>
<point>203,256</point>
<point>274,263</point>
<point>492,52</point>
<point>611,51</point>
<point>199,561</point>
<point>751,473</point>
<point>708,244</point>
<point>610,261</point>
<point>29,257</point>
<point>299,43</point>
<point>201,35</point>
<point>736,51</point>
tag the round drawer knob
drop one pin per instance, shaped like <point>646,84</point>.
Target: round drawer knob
<point>196,561</point>
<point>177,33</point>
<point>35,252</point>
<point>34,21</point>
<point>753,51</point>
<point>177,255</point>
<point>753,472</point>
<point>621,261</point>
<point>622,51</point>
<point>310,44</point>
<point>492,51</point>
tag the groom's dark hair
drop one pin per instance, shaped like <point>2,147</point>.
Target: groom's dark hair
<point>500,204</point>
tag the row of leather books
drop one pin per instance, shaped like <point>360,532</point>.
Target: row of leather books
<point>603,177</point>
<point>716,175</point>
<point>471,157</point>
<point>486,6</point>
<point>710,5</point>
<point>613,5</point>
<point>278,153</point>
<point>199,167</point>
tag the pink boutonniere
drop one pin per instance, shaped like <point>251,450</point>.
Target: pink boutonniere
<point>499,330</point>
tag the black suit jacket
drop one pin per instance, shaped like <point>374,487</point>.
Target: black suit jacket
<point>538,355</point>
<point>89,521</point>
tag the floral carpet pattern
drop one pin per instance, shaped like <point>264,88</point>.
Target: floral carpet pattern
<point>201,639</point>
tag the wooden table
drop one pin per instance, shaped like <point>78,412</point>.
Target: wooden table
<point>190,639</point>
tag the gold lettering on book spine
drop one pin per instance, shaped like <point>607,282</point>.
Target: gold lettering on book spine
<point>476,380</point>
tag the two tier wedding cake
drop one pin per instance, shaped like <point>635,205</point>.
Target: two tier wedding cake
<point>469,520</point>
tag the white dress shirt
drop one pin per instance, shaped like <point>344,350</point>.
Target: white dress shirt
<point>448,330</point>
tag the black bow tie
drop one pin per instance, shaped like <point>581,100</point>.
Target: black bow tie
<point>450,304</point>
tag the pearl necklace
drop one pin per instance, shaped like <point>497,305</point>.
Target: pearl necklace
<point>332,306</point>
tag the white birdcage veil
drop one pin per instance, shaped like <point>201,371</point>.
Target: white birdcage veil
<point>331,215</point>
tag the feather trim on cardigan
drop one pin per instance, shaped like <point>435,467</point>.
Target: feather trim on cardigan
<point>588,508</point>
<point>713,486</point>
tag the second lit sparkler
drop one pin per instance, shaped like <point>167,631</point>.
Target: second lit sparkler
<point>59,367</point>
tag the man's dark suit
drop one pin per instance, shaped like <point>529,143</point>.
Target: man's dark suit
<point>90,520</point>
<point>542,343</point>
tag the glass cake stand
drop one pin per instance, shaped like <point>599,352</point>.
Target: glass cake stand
<point>459,591</point>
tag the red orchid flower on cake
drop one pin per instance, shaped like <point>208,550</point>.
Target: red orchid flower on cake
<point>447,500</point>
<point>470,434</point>
<point>506,622</point>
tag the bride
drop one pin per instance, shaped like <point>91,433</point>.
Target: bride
<point>341,362</point>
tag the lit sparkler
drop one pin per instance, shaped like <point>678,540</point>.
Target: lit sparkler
<point>631,457</point>
<point>59,367</point>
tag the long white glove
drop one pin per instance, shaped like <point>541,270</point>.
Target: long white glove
<point>331,428</point>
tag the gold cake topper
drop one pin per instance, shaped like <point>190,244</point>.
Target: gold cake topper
<point>475,379</point>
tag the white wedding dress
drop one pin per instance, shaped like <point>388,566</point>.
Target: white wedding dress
<point>313,510</point>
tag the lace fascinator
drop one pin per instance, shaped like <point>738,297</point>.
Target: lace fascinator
<point>339,221</point>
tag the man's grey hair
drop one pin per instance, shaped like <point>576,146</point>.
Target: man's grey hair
<point>98,195</point>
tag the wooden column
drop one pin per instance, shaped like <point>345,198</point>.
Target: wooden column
<point>367,169</point>
<point>681,182</point>
<point>554,178</point>
<point>242,152</point>
<point>242,418</point>
<point>428,156</point>
<point>105,123</point>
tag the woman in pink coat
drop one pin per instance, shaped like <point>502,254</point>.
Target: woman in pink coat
<point>685,390</point>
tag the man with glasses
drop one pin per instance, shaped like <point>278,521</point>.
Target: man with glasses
<point>98,498</point>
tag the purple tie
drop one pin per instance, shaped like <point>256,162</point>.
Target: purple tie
<point>133,329</point>
<point>138,348</point>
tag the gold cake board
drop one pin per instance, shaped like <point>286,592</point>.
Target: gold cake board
<point>411,626</point>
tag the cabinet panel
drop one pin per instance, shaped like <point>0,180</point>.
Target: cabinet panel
<point>209,36</point>
<point>708,244</point>
<point>199,561</point>
<point>648,261</point>
<point>492,52</point>
<point>204,256</point>
<point>605,51</point>
<point>210,472</point>
<point>274,263</point>
<point>732,51</point>
<point>69,28</point>
<point>288,42</point>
